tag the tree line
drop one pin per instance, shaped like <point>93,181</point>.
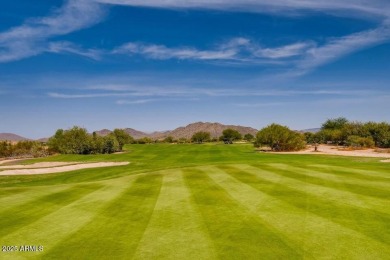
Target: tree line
<point>338,131</point>
<point>23,149</point>
<point>78,141</point>
<point>341,131</point>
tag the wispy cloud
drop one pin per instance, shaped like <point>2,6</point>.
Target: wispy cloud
<point>236,49</point>
<point>32,37</point>
<point>371,8</point>
<point>339,47</point>
<point>134,102</point>
<point>68,47</point>
<point>301,57</point>
<point>163,92</point>
<point>162,52</point>
<point>306,56</point>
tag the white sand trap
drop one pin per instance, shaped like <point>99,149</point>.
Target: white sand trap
<point>66,168</point>
<point>37,165</point>
<point>388,160</point>
<point>333,150</point>
<point>11,160</point>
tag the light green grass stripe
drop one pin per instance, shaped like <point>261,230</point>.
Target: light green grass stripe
<point>175,230</point>
<point>339,178</point>
<point>368,173</point>
<point>318,237</point>
<point>368,222</point>
<point>237,233</point>
<point>17,217</point>
<point>372,189</point>
<point>53,228</point>
<point>333,195</point>
<point>116,228</point>
<point>13,197</point>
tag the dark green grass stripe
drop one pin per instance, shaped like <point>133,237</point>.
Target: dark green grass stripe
<point>118,228</point>
<point>299,174</point>
<point>369,222</point>
<point>367,175</point>
<point>11,197</point>
<point>236,232</point>
<point>20,215</point>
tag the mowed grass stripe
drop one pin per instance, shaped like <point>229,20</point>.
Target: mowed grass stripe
<point>20,215</point>
<point>176,230</point>
<point>368,175</point>
<point>336,176</point>
<point>332,195</point>
<point>366,221</point>
<point>316,236</point>
<point>14,197</point>
<point>236,232</point>
<point>116,229</point>
<point>373,189</point>
<point>53,228</point>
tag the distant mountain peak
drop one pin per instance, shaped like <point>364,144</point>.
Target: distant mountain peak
<point>11,137</point>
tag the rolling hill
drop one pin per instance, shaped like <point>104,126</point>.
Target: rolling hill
<point>215,129</point>
<point>11,137</point>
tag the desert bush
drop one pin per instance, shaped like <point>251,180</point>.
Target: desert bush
<point>280,138</point>
<point>360,142</point>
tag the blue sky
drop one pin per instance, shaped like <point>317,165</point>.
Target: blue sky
<point>156,65</point>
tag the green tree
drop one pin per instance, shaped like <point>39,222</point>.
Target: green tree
<point>280,138</point>
<point>336,123</point>
<point>122,137</point>
<point>380,132</point>
<point>360,142</point>
<point>56,142</point>
<point>110,144</point>
<point>229,135</point>
<point>200,137</point>
<point>249,137</point>
<point>73,141</point>
<point>168,139</point>
<point>145,140</point>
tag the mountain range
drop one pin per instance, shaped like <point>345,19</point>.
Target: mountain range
<point>11,137</point>
<point>215,130</point>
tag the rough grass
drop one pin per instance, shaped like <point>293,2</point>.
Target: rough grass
<point>201,202</point>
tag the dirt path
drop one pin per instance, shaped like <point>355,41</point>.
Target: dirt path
<point>63,168</point>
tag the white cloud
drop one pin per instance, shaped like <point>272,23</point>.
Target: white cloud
<point>302,57</point>
<point>134,102</point>
<point>68,47</point>
<point>164,92</point>
<point>32,37</point>
<point>339,47</point>
<point>237,49</point>
<point>370,8</point>
<point>287,51</point>
<point>162,52</point>
<point>306,55</point>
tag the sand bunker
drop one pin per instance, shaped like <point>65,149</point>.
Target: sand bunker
<point>333,150</point>
<point>388,160</point>
<point>37,168</point>
<point>37,165</point>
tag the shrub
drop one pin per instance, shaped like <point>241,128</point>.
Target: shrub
<point>280,138</point>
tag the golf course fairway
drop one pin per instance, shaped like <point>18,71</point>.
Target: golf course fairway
<point>209,201</point>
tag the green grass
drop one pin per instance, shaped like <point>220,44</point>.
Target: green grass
<point>201,202</point>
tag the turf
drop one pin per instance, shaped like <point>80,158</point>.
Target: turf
<point>208,201</point>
